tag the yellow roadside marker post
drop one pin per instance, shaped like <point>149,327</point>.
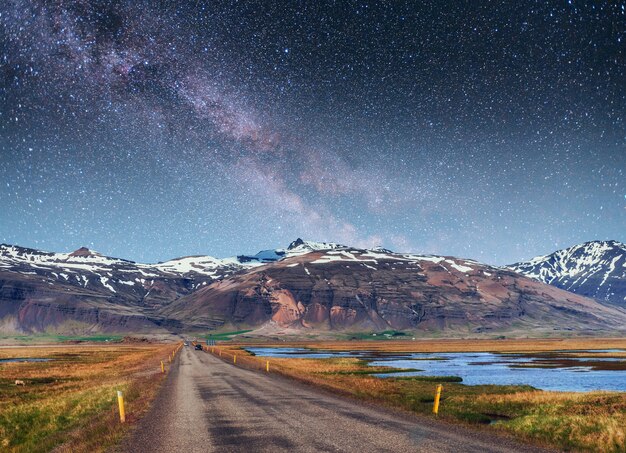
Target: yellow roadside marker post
<point>437,397</point>
<point>162,367</point>
<point>234,359</point>
<point>169,358</point>
<point>120,403</point>
<point>267,366</point>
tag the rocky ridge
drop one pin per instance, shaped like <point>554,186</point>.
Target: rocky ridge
<point>306,286</point>
<point>595,269</point>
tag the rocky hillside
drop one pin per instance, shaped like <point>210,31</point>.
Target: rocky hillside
<point>353,289</point>
<point>594,269</point>
<point>308,285</point>
<point>86,291</point>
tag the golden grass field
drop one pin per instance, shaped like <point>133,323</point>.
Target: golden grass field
<point>565,420</point>
<point>69,403</point>
<point>459,345</point>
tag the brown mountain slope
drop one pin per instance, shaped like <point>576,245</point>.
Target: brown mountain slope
<point>311,286</point>
<point>85,292</point>
<point>29,304</point>
<point>351,289</point>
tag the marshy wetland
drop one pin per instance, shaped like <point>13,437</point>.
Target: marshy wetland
<point>560,393</point>
<point>571,370</point>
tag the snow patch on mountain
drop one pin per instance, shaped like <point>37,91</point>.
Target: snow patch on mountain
<point>92,270</point>
<point>205,265</point>
<point>594,269</point>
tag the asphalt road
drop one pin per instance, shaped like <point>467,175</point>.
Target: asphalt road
<point>207,405</point>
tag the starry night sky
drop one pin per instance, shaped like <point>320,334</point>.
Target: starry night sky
<point>151,130</point>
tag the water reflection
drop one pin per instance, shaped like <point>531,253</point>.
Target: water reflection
<point>24,359</point>
<point>554,370</point>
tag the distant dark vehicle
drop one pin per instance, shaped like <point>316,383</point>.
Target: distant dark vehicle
<point>198,347</point>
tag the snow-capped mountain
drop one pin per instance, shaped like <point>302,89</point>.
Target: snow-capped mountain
<point>85,291</point>
<point>347,288</point>
<point>306,285</point>
<point>91,269</point>
<point>595,269</point>
<point>88,290</point>
<point>296,248</point>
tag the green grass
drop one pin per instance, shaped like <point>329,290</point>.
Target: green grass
<point>96,338</point>
<point>384,335</point>
<point>71,400</point>
<point>430,378</point>
<point>376,371</point>
<point>31,425</point>
<point>224,336</point>
<point>45,338</point>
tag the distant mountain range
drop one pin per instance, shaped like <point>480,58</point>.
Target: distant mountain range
<point>594,269</point>
<point>306,287</point>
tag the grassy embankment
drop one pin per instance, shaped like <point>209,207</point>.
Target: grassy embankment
<point>580,421</point>
<point>70,402</point>
<point>224,336</point>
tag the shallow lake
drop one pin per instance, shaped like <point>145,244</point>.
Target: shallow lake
<point>556,370</point>
<point>24,359</point>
